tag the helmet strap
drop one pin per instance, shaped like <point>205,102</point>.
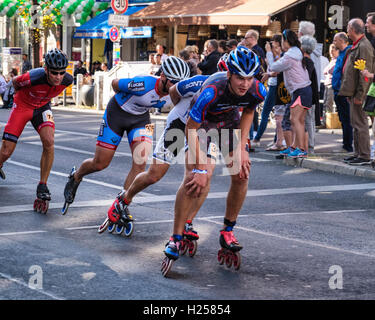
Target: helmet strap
<point>164,89</point>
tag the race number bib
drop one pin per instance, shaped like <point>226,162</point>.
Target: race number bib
<point>48,116</point>
<point>149,129</point>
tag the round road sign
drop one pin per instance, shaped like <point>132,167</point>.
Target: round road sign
<point>119,6</point>
<point>114,34</point>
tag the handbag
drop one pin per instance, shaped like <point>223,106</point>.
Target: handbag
<point>369,105</point>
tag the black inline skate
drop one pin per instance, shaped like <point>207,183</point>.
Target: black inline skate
<point>119,220</point>
<point>43,196</point>
<point>2,174</point>
<point>70,191</point>
<point>230,249</point>
<point>189,240</point>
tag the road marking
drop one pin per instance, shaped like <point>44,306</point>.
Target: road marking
<point>91,153</point>
<point>305,242</point>
<point>104,184</point>
<point>252,230</point>
<point>22,233</point>
<point>221,217</point>
<point>24,284</point>
<point>144,197</point>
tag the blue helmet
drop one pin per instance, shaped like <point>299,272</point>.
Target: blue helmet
<point>243,61</point>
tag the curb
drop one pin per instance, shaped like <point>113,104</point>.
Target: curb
<point>331,166</point>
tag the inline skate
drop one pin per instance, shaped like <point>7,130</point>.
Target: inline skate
<point>230,247</point>
<point>70,191</point>
<point>2,174</point>
<point>189,240</point>
<point>171,251</point>
<point>119,219</point>
<point>43,196</point>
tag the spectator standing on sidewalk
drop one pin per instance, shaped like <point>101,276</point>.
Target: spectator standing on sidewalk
<point>298,84</point>
<point>328,71</point>
<point>341,41</point>
<point>272,87</point>
<point>307,28</point>
<point>370,26</point>
<point>209,64</point>
<point>308,44</point>
<point>355,86</point>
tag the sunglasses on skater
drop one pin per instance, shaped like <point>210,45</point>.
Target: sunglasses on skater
<point>55,73</point>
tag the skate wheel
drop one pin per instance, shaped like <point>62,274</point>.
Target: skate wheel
<point>221,256</point>
<point>129,229</point>
<point>119,229</point>
<point>103,227</point>
<point>236,261</point>
<point>44,206</point>
<point>65,208</point>
<point>184,247</point>
<point>111,227</point>
<point>193,246</point>
<point>36,205</point>
<point>166,266</point>
<point>228,260</point>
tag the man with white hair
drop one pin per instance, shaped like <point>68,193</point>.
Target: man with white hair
<point>355,87</point>
<point>307,28</point>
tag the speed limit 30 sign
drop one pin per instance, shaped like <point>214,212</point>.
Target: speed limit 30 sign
<point>119,6</point>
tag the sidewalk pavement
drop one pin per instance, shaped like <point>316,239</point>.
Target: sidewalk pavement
<point>328,154</point>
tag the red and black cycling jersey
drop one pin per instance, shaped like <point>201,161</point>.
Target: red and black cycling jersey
<point>34,91</point>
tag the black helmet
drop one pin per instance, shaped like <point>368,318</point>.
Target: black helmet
<point>56,59</point>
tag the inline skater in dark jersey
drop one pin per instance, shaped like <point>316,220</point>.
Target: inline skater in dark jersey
<point>217,106</point>
<point>34,91</point>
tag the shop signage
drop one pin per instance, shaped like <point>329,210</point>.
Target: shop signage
<point>339,17</point>
<point>119,6</point>
<point>114,34</point>
<point>118,20</point>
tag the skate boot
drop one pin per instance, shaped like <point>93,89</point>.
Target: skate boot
<point>171,252</point>
<point>2,174</point>
<point>189,241</point>
<point>119,219</point>
<point>43,196</point>
<point>230,247</point>
<point>70,191</point>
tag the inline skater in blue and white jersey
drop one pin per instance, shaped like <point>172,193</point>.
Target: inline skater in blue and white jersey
<point>128,110</point>
<point>216,106</point>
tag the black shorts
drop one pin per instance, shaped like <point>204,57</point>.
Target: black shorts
<point>116,121</point>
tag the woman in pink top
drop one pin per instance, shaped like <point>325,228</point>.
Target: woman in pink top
<point>297,82</point>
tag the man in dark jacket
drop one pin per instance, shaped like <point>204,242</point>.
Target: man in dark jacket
<point>341,41</point>
<point>209,64</point>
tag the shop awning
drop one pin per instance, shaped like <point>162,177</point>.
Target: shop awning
<point>98,27</point>
<point>211,12</point>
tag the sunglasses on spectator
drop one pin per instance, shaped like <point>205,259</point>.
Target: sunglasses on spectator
<point>55,73</point>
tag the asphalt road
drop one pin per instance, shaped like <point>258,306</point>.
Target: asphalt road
<point>306,234</point>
